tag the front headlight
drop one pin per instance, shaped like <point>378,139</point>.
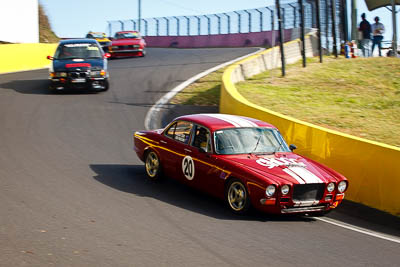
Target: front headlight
<point>342,186</point>
<point>330,187</point>
<point>58,74</point>
<point>270,190</point>
<point>98,73</point>
<point>285,189</point>
<point>95,73</point>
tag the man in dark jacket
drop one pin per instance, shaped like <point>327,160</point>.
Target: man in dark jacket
<point>365,29</point>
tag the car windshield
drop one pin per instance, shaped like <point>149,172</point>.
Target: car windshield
<point>127,35</point>
<point>98,35</point>
<point>249,140</point>
<point>78,50</point>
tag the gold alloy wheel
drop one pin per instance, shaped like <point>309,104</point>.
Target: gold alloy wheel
<point>237,196</point>
<point>152,164</point>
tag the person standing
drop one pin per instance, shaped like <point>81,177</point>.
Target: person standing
<point>377,30</point>
<point>365,29</point>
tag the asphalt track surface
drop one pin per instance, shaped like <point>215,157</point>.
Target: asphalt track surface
<point>73,193</point>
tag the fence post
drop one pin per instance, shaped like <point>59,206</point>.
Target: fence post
<point>327,25</point>
<point>294,15</point>
<point>281,40</point>
<point>122,25</point>
<point>335,50</point>
<point>249,14</point>
<point>239,21</point>
<point>229,22</point>
<point>157,26</point>
<point>319,29</point>
<point>219,23</point>
<point>303,43</point>
<point>167,20</point>
<point>145,27</point>
<point>261,19</point>
<point>188,25</point>
<point>109,28</point>
<point>133,24</point>
<point>272,18</point>
<point>208,24</point>
<point>198,24</point>
<point>177,25</point>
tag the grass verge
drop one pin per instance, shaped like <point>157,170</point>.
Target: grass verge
<point>359,96</point>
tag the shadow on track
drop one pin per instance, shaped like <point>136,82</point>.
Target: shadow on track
<point>37,87</point>
<point>40,87</point>
<point>132,179</point>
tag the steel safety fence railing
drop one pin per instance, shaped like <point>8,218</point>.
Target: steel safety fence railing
<point>242,21</point>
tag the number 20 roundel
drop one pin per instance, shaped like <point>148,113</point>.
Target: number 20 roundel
<point>188,167</point>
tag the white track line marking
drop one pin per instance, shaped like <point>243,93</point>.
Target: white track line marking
<point>148,124</point>
<point>359,229</point>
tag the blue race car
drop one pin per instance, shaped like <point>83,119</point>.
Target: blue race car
<point>79,64</point>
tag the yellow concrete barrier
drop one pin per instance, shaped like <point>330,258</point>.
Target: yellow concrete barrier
<point>21,57</point>
<point>373,168</point>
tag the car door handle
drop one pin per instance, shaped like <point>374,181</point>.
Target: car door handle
<point>188,150</point>
<point>163,142</point>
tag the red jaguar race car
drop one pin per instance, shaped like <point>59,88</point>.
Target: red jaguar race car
<point>242,160</point>
<point>127,44</point>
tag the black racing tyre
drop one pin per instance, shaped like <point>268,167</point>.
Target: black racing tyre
<point>237,197</point>
<point>106,85</point>
<point>153,166</point>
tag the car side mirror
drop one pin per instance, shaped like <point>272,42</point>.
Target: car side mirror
<point>107,55</point>
<point>292,147</point>
<point>49,57</point>
<point>201,150</point>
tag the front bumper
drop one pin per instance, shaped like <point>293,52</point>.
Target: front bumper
<point>288,206</point>
<point>126,52</point>
<point>95,83</point>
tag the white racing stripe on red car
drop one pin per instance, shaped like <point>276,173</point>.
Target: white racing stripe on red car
<point>295,176</point>
<point>306,175</point>
<point>234,120</point>
<point>302,175</point>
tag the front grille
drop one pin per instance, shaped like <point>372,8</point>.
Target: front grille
<point>308,192</point>
<point>78,75</point>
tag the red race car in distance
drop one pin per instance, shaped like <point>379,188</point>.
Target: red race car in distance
<point>242,160</point>
<point>127,44</point>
